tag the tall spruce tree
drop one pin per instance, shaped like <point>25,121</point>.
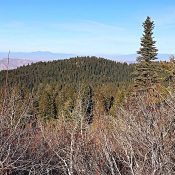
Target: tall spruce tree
<point>146,73</point>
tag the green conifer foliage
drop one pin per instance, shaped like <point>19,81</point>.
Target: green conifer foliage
<point>148,50</point>
<point>88,103</point>
<point>146,69</point>
<point>47,103</point>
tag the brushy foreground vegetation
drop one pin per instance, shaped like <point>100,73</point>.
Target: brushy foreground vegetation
<point>137,140</point>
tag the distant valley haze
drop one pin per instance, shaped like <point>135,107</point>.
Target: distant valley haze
<point>18,59</point>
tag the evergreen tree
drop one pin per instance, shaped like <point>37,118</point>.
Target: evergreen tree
<point>88,103</point>
<point>146,72</point>
<point>47,103</point>
<point>148,50</point>
<point>108,103</point>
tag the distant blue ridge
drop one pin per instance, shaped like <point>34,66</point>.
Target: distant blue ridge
<point>49,56</point>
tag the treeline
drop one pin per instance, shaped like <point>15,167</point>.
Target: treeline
<point>99,84</point>
<point>74,71</point>
<point>57,86</point>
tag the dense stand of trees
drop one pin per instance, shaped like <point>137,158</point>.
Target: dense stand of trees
<point>71,71</point>
<point>56,85</point>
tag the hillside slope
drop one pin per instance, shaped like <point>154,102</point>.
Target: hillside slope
<point>70,71</point>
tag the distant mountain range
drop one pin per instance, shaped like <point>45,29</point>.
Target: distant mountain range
<point>18,59</point>
<point>37,56</point>
<point>131,58</point>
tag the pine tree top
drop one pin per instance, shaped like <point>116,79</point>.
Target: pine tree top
<point>148,50</point>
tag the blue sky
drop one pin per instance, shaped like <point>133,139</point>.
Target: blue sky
<point>84,26</point>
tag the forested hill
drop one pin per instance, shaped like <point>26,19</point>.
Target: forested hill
<point>70,71</point>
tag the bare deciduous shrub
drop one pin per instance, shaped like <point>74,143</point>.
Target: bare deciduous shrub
<point>134,142</point>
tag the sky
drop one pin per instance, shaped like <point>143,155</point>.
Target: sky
<point>84,26</point>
